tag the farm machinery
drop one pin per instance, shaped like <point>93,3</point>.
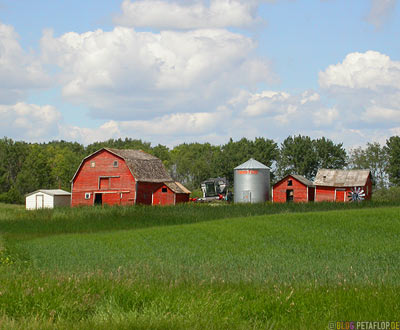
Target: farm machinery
<point>214,189</point>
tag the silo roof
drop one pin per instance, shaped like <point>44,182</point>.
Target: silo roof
<point>253,165</point>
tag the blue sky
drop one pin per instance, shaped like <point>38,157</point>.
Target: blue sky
<point>181,71</point>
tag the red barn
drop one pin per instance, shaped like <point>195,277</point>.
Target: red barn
<point>293,188</point>
<point>336,185</point>
<point>124,177</point>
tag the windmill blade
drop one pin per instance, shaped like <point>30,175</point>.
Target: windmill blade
<point>356,194</point>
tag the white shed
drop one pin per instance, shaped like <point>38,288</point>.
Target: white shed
<point>46,198</point>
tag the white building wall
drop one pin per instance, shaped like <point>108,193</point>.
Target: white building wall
<point>39,200</point>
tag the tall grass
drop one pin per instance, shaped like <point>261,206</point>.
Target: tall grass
<point>266,266</point>
<point>20,222</point>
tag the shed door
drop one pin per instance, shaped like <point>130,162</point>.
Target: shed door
<point>340,195</point>
<point>39,201</point>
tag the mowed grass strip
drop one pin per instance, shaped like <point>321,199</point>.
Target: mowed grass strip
<point>327,247</point>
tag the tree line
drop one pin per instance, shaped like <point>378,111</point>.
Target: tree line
<point>26,167</point>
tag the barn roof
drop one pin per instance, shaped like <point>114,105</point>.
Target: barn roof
<point>300,178</point>
<point>177,187</point>
<point>251,164</point>
<point>341,178</point>
<point>51,192</point>
<point>143,166</point>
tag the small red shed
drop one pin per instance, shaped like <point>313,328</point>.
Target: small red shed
<point>170,193</point>
<point>338,185</point>
<point>125,177</point>
<point>293,188</point>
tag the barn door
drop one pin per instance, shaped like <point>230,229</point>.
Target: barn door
<point>39,201</point>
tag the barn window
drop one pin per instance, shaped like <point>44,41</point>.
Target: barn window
<point>290,183</point>
<point>87,195</point>
<point>164,189</point>
<point>115,164</point>
<point>92,164</point>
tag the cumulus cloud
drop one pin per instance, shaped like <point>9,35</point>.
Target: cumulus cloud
<point>165,129</point>
<point>129,75</point>
<point>29,121</point>
<point>366,90</point>
<point>19,71</point>
<point>189,14</point>
<point>370,70</point>
<point>380,11</point>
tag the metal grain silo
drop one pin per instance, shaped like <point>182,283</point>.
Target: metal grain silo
<point>251,182</point>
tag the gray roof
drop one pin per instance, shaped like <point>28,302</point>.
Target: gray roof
<point>177,187</point>
<point>51,192</point>
<point>252,164</point>
<point>341,178</point>
<point>143,166</point>
<point>300,178</point>
<point>303,180</point>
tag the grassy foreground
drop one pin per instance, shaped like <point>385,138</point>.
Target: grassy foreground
<point>196,267</point>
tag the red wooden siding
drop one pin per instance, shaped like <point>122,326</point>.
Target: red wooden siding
<point>104,183</point>
<point>340,194</point>
<point>299,190</point>
<point>166,197</point>
<point>181,198</point>
<point>116,184</point>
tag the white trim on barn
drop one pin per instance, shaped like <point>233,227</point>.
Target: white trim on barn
<point>47,198</point>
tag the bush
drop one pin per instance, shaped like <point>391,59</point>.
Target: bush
<point>390,195</point>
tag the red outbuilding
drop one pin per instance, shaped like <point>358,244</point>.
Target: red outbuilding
<point>125,177</point>
<point>343,185</point>
<point>293,188</point>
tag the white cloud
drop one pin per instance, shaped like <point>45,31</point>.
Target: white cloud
<point>19,71</point>
<point>366,90</point>
<point>188,14</point>
<point>129,75</point>
<point>370,70</point>
<point>380,11</point>
<point>29,121</point>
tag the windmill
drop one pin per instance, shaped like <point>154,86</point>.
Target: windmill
<point>356,194</point>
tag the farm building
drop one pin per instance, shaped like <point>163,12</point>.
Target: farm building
<point>293,188</point>
<point>125,177</point>
<point>337,185</point>
<point>47,198</point>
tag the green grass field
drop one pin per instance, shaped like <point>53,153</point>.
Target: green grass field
<point>199,266</point>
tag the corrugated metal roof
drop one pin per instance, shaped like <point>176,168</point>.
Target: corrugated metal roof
<point>177,187</point>
<point>341,178</point>
<point>252,164</point>
<point>51,192</point>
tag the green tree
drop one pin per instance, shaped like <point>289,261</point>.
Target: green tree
<point>393,152</point>
<point>329,154</point>
<point>298,156</point>
<point>36,172</point>
<point>163,153</point>
<point>12,157</point>
<point>127,143</point>
<point>374,158</point>
<point>193,163</point>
